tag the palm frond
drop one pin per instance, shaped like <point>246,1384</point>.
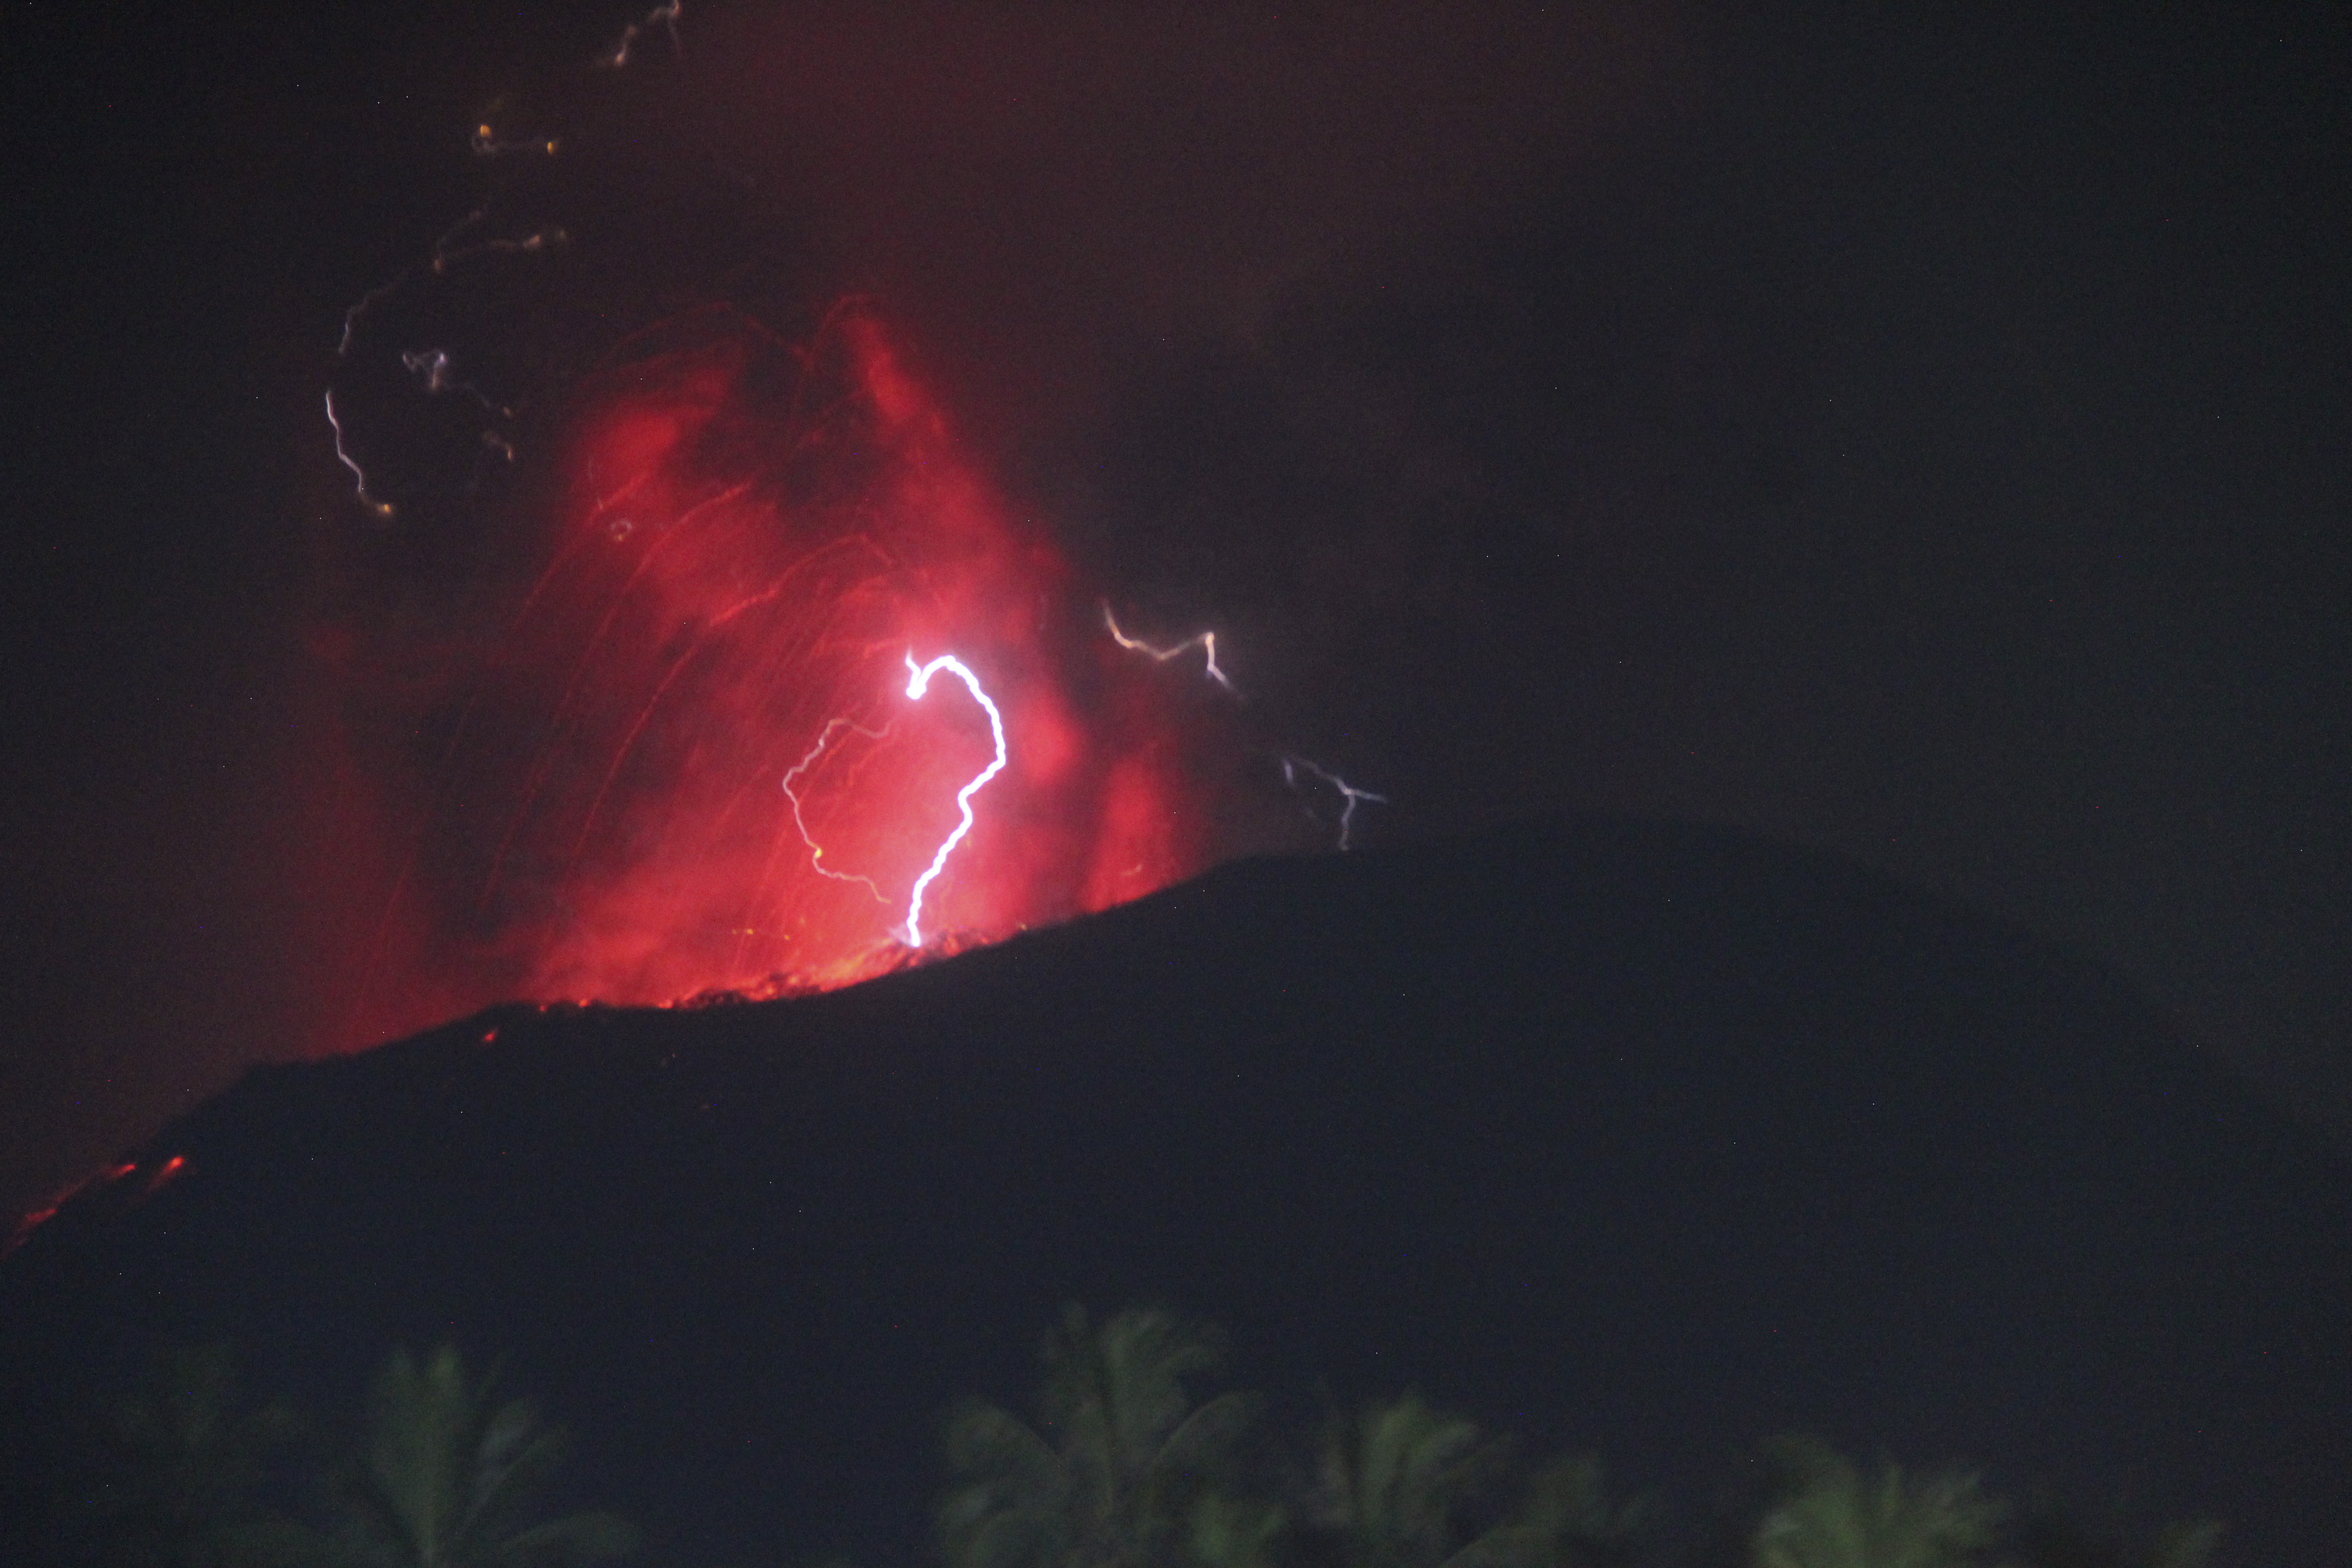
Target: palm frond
<point>1229,1532</point>
<point>2188,1545</point>
<point>448,1470</point>
<point>1837,1517</point>
<point>572,1542</point>
<point>1122,1457</point>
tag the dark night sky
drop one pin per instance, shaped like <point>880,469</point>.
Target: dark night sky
<point>1929,441</point>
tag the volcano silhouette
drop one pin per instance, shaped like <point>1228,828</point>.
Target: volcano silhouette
<point>1647,1139</point>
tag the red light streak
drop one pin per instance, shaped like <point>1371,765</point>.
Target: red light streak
<point>96,1182</point>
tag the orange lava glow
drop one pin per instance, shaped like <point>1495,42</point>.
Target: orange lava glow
<point>96,1182</point>
<point>747,539</point>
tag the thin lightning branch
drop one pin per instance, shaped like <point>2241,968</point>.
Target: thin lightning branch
<point>359,480</point>
<point>446,240</point>
<point>447,253</point>
<point>664,16</point>
<point>438,373</point>
<point>487,143</point>
<point>365,303</point>
<point>816,852</point>
<point>919,680</point>
<point>430,366</point>
<point>1293,767</point>
<point>433,368</point>
<point>1206,642</point>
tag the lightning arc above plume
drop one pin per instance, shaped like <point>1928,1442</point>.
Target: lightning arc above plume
<point>1353,797</point>
<point>1292,767</point>
<point>431,366</point>
<point>918,681</point>
<point>1206,642</point>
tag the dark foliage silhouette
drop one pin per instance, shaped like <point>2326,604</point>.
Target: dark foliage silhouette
<point>447,1476</point>
<point>1123,1459</point>
<point>181,1464</point>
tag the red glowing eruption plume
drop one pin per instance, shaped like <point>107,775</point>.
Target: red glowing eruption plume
<point>693,760</point>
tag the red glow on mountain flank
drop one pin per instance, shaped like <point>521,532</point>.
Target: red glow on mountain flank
<point>690,759</point>
<point>97,1180</point>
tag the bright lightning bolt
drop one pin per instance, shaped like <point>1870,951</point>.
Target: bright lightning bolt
<point>359,479</point>
<point>816,851</point>
<point>1293,767</point>
<point>918,681</point>
<point>1206,642</point>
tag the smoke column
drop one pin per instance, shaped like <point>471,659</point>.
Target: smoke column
<point>690,762</point>
<point>662,458</point>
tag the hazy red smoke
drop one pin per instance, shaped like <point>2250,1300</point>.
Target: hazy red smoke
<point>748,541</point>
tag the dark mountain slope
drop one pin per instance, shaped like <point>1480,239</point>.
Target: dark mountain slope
<point>1638,1137</point>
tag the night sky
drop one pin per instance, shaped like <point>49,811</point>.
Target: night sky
<point>1927,441</point>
